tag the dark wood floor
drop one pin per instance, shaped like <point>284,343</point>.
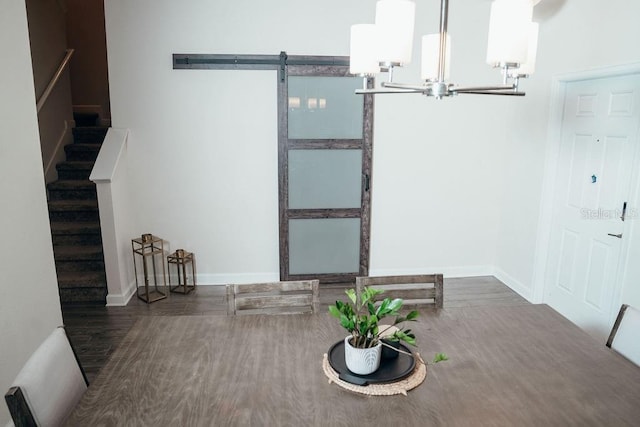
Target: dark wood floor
<point>96,331</point>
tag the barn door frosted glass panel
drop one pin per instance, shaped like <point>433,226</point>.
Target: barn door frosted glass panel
<point>325,179</point>
<point>324,108</point>
<point>325,245</point>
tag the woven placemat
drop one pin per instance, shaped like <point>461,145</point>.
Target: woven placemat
<point>387,389</point>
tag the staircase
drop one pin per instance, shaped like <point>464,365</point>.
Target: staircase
<point>75,222</point>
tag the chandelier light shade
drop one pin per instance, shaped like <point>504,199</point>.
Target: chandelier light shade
<point>388,43</point>
<point>509,32</point>
<point>430,52</point>
<point>395,20</point>
<point>529,65</point>
<point>364,40</point>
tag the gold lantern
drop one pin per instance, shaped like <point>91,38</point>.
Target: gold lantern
<point>148,252</point>
<point>181,259</point>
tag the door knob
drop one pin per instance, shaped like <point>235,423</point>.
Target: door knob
<point>619,236</point>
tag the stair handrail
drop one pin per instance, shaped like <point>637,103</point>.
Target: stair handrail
<point>54,80</point>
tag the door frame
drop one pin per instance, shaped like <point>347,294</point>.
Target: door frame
<point>552,151</point>
<point>337,66</point>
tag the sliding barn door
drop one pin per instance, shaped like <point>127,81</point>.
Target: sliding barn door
<point>325,142</point>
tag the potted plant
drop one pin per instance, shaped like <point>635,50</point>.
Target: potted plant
<point>360,317</point>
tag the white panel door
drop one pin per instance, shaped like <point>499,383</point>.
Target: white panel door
<point>599,138</point>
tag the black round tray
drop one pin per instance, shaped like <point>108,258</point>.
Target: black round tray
<point>390,370</point>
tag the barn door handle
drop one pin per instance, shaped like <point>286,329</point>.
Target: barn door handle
<point>624,210</point>
<point>619,236</point>
<point>366,182</point>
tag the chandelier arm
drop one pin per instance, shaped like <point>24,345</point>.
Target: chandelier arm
<point>417,88</point>
<point>489,92</point>
<point>384,91</point>
<point>484,88</point>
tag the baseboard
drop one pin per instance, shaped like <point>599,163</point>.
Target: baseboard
<point>447,272</point>
<point>120,300</point>
<point>514,284</point>
<point>450,272</point>
<point>223,279</point>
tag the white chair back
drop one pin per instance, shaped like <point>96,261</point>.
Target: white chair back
<point>625,336</point>
<point>52,380</point>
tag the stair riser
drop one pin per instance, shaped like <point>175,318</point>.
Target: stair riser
<point>83,295</point>
<point>83,216</point>
<point>85,119</point>
<point>88,135</point>
<point>78,266</point>
<point>83,285</point>
<point>77,240</point>
<point>73,194</point>
<point>66,174</point>
<point>82,155</point>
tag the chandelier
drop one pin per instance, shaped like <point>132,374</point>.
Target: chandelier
<point>387,44</point>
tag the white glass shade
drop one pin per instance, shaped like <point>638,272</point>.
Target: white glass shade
<point>509,31</point>
<point>363,56</point>
<point>430,56</point>
<point>530,65</point>
<point>395,19</point>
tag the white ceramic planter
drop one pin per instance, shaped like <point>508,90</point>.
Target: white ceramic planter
<point>361,361</point>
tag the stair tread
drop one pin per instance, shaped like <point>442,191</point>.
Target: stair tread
<point>92,128</point>
<point>74,276</point>
<point>72,205</point>
<point>75,227</point>
<point>89,252</point>
<point>83,146</point>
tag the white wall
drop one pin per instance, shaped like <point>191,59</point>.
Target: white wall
<point>29,302</point>
<point>574,36</point>
<point>48,47</point>
<point>85,34</point>
<point>202,149</point>
<point>457,183</point>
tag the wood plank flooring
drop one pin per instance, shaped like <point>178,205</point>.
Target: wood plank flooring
<point>96,331</point>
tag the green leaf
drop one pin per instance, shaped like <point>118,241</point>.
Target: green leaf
<point>399,319</point>
<point>412,315</point>
<point>395,305</point>
<point>383,307</point>
<point>373,321</point>
<point>406,337</point>
<point>351,294</point>
<point>440,357</point>
<point>362,326</point>
<point>371,307</point>
<point>346,323</point>
<point>368,294</point>
<point>410,340</point>
<point>334,311</point>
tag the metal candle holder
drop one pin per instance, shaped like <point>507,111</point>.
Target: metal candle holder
<point>148,250</point>
<point>181,258</point>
